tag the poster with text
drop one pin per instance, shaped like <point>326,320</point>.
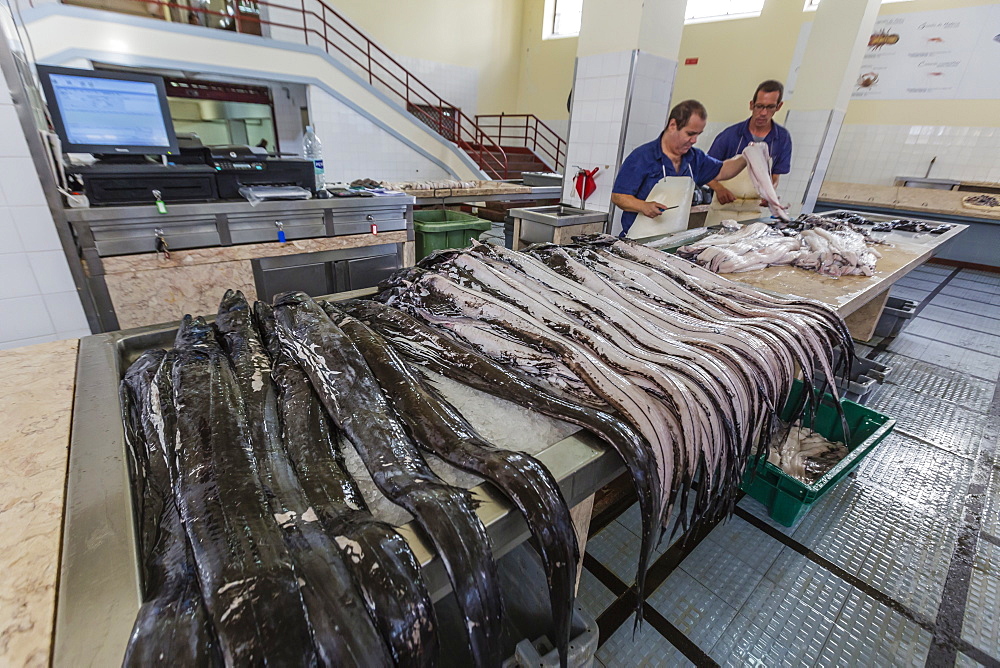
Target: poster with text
<point>943,54</point>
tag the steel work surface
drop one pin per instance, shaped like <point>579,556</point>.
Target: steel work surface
<point>898,565</point>
<point>847,294</point>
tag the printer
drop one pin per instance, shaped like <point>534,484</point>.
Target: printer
<point>240,165</point>
<point>237,166</point>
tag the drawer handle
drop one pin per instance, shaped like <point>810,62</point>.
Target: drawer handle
<point>369,218</point>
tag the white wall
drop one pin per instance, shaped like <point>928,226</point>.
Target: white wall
<point>38,300</point>
<point>876,154</point>
<point>355,148</point>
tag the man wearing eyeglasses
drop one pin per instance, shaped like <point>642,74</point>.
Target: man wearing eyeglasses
<point>737,199</point>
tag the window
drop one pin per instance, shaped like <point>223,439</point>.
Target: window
<point>701,11</point>
<point>562,18</point>
<point>811,5</point>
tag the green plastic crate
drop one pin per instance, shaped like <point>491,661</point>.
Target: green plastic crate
<point>441,229</point>
<point>787,498</point>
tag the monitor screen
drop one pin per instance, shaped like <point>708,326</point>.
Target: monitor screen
<point>109,112</point>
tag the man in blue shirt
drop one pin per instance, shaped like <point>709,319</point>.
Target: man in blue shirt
<point>671,154</point>
<point>738,199</point>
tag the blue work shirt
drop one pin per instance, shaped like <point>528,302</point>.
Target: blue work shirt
<point>646,165</point>
<point>735,138</point>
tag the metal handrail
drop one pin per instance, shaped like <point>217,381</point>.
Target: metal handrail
<point>333,32</point>
<point>538,137</point>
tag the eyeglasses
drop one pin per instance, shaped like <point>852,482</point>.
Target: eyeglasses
<point>765,107</point>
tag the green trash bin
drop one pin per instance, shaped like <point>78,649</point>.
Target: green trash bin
<point>440,229</point>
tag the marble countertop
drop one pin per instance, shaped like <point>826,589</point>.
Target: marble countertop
<point>36,406</point>
<point>944,202</point>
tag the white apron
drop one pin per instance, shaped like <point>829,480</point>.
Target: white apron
<point>670,191</point>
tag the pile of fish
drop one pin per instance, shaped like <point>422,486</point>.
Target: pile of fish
<point>255,543</point>
<point>686,368</point>
<point>806,455</point>
<point>904,225</point>
<point>836,252</point>
<point>838,220</point>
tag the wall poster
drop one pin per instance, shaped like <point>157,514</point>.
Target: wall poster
<point>945,54</point>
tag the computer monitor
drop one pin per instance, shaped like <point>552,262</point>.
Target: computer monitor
<point>109,113</point>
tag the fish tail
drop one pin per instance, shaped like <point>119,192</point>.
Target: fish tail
<point>536,494</point>
<point>461,541</point>
<point>389,576</point>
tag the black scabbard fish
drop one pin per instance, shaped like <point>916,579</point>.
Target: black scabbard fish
<point>354,401</point>
<point>380,560</point>
<point>247,578</point>
<point>172,626</point>
<point>427,347</point>
<point>438,427</point>
<point>343,630</point>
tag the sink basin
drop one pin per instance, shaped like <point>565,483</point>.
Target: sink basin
<point>558,215</point>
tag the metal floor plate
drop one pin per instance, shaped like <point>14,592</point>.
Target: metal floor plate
<point>692,608</point>
<point>593,596</point>
<point>617,548</point>
<point>991,510</point>
<point>971,321</point>
<point>974,290</point>
<point>647,649</point>
<point>942,423</point>
<point>923,477</point>
<point>928,380</point>
<point>904,292</point>
<point>788,617</point>
<point>943,354</point>
<point>723,573</point>
<point>963,661</point>
<point>867,633</point>
<point>896,549</point>
<point>939,269</point>
<point>987,277</point>
<point>981,626</point>
<point>930,271</point>
<point>753,547</point>
<point>916,283</point>
<point>956,335</point>
<point>966,305</point>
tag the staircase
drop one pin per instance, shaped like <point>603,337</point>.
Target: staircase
<point>317,24</point>
<point>530,144</point>
<point>518,158</point>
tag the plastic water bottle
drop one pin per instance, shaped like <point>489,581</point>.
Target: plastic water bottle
<point>312,149</point>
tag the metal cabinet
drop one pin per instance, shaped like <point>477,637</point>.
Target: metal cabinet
<point>106,231</point>
<point>326,272</point>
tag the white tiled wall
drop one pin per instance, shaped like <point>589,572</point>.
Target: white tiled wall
<point>876,154</point>
<point>38,299</point>
<point>652,86</point>
<point>810,140</point>
<point>599,94</point>
<point>354,147</point>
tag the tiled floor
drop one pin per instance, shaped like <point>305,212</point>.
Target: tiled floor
<point>897,565</point>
